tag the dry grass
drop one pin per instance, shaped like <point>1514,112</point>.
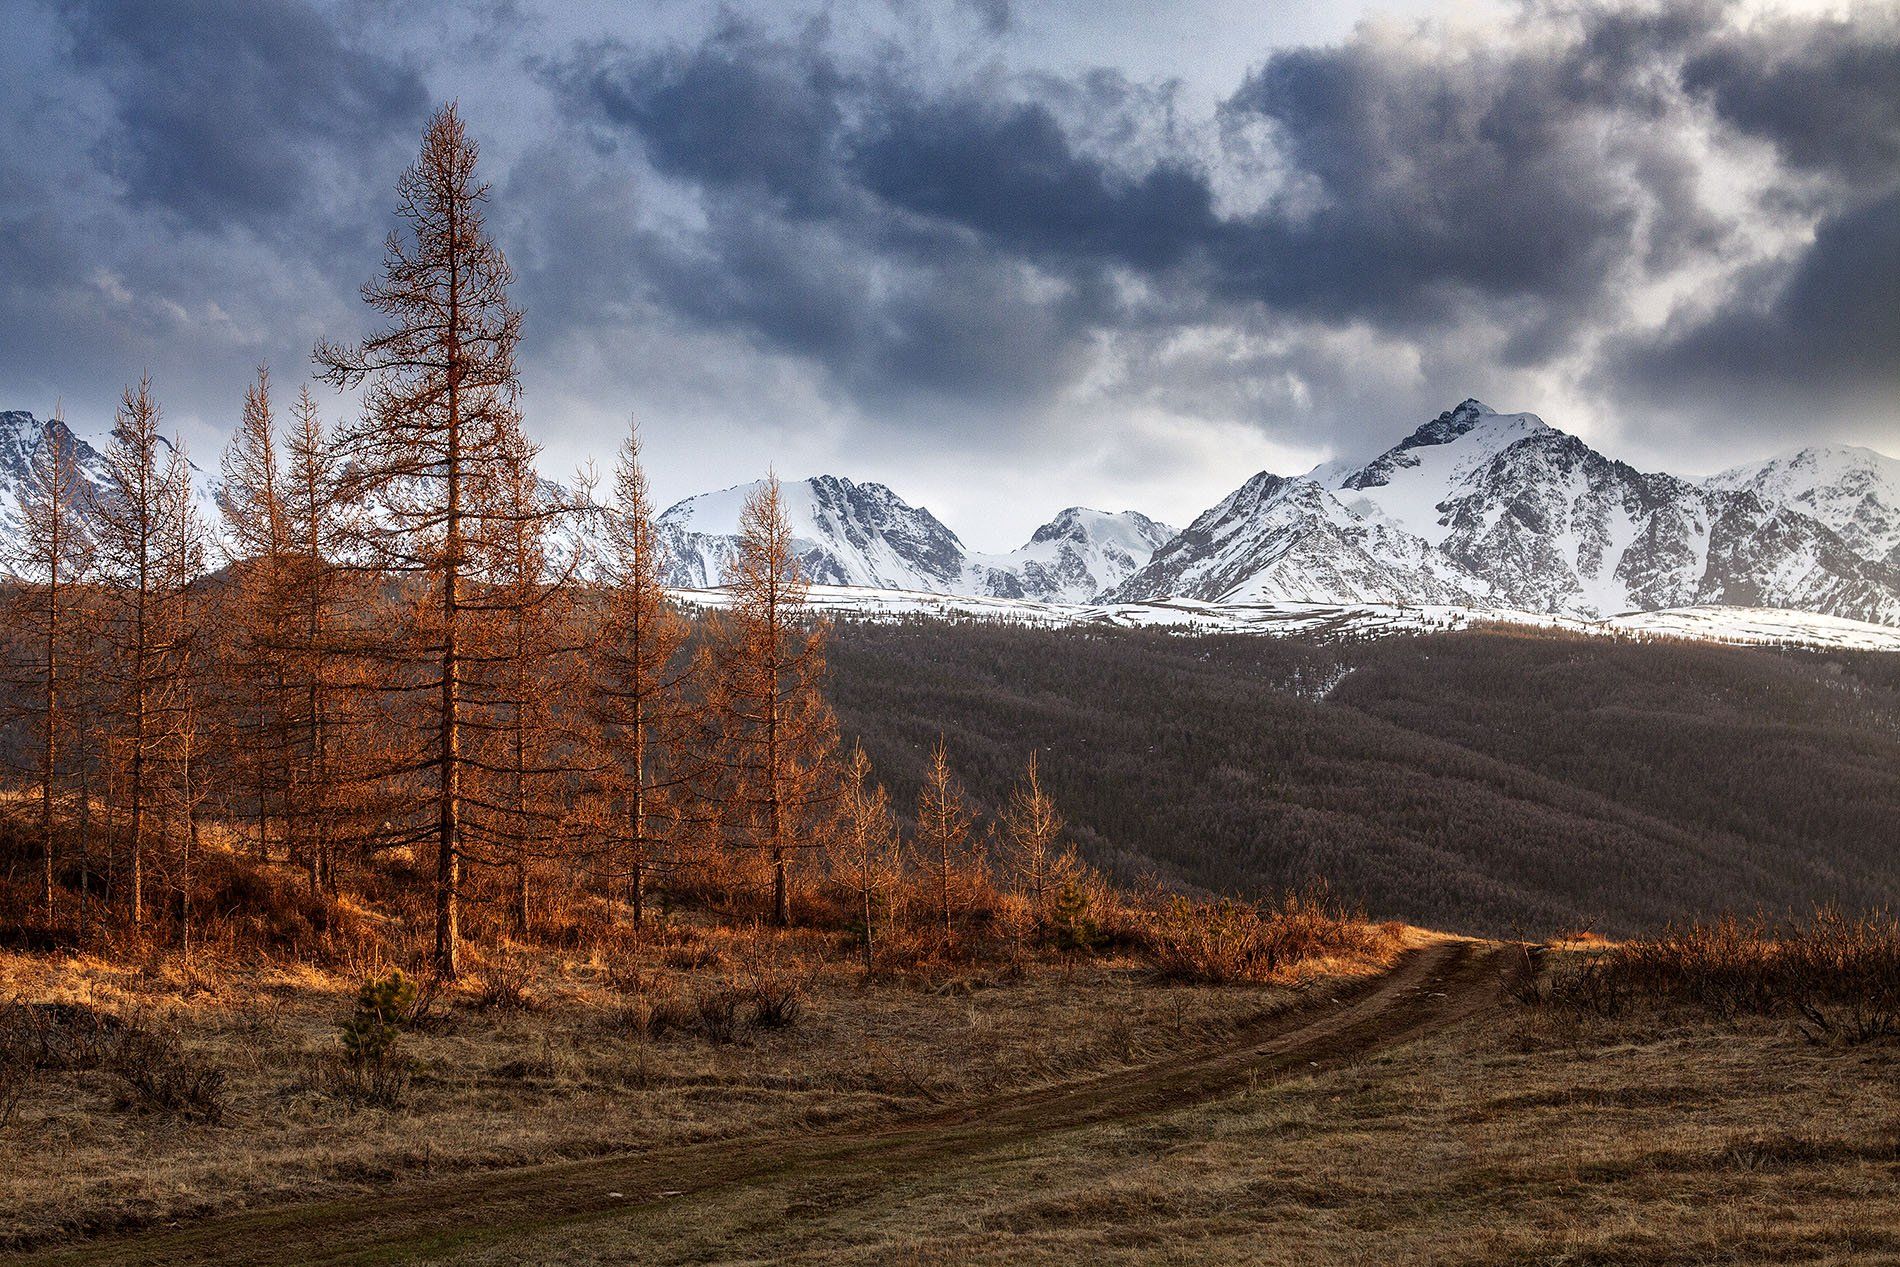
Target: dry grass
<point>1224,942</point>
<point>1547,1138</point>
<point>708,1032</point>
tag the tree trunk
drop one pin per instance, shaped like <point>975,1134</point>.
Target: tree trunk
<point>781,893</point>
<point>51,746</point>
<point>448,862</point>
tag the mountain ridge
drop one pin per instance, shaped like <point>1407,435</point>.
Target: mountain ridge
<point>1472,508</point>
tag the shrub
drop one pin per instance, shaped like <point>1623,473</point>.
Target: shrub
<point>1222,942</point>
<point>716,1012</point>
<point>1072,922</point>
<point>773,979</point>
<point>507,986</point>
<point>149,1070</point>
<point>372,1029</point>
<point>154,1073</point>
<point>1839,977</point>
<point>654,1007</point>
<point>36,1037</point>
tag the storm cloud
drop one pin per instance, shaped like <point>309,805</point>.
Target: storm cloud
<point>913,244</point>
<point>231,110</point>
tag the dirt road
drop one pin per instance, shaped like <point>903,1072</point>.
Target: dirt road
<point>1428,988</point>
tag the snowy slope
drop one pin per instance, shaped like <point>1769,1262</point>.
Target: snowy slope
<point>1077,556</point>
<point>1504,510</point>
<point>1276,539</point>
<point>844,533</point>
<point>1852,490</point>
<point>1739,625</point>
<point>847,533</point>
<point>21,438</point>
<point>1409,483</point>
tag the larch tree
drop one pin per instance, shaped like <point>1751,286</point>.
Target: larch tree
<point>520,669</point>
<point>129,524</point>
<point>638,688</point>
<point>315,652</point>
<point>440,403</point>
<point>52,558</point>
<point>943,842</point>
<point>777,728</point>
<point>1032,826</point>
<point>257,543</point>
<point>182,682</point>
<point>865,856</point>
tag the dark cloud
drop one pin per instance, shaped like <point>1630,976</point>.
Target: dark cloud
<point>226,108</point>
<point>1827,336</point>
<point>1011,174</point>
<point>1826,94</point>
<point>1521,191</point>
<point>736,109</point>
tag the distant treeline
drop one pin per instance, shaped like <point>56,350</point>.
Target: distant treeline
<point>1489,781</point>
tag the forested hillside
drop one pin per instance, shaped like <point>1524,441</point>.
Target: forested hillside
<point>1487,781</point>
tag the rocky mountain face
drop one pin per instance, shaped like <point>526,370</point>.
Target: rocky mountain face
<point>1503,510</point>
<point>1472,509</point>
<point>844,534</point>
<point>22,436</point>
<point>1274,537</point>
<point>1073,558</point>
<point>847,533</point>
<point>1852,490</point>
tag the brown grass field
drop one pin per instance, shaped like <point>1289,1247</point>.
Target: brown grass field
<point>1428,1110</point>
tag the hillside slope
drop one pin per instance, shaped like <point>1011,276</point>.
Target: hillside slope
<point>1485,781</point>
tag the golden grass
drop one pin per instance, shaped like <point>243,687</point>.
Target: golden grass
<point>1673,1139</point>
<point>569,1078</point>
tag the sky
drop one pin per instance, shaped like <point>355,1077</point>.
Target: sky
<point>1004,257</point>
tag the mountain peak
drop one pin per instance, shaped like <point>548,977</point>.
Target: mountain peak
<point>851,533</point>
<point>1469,416</point>
<point>1083,523</point>
<point>1852,489</point>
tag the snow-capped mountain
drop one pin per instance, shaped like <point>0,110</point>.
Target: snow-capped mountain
<point>1474,509</point>
<point>844,533</point>
<point>1510,512</point>
<point>22,436</point>
<point>1852,490</point>
<point>1073,558</point>
<point>847,533</point>
<point>1277,539</point>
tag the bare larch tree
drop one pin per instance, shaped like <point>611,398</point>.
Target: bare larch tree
<point>441,401</point>
<point>52,558</point>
